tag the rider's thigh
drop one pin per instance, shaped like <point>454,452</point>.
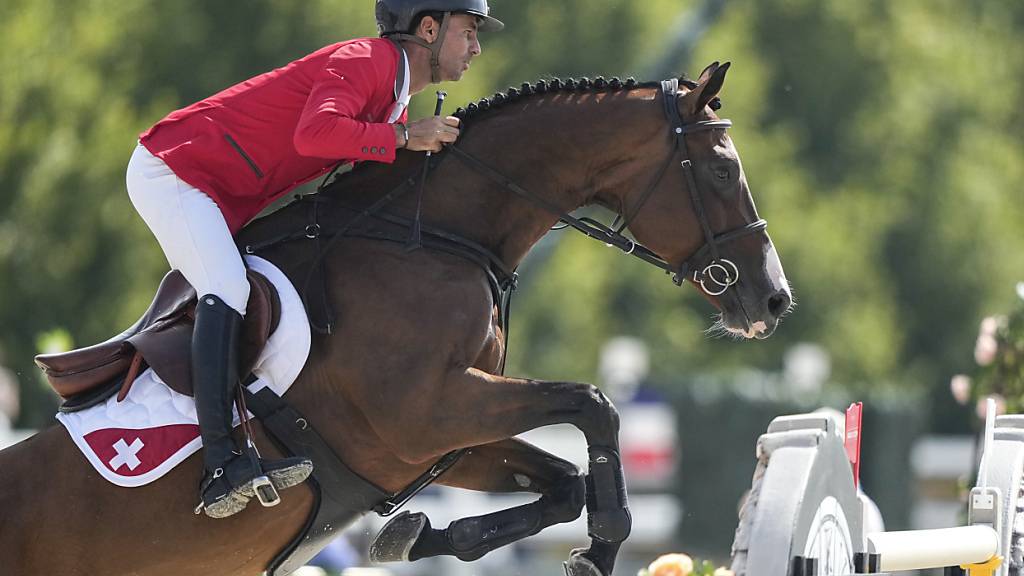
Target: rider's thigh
<point>190,229</point>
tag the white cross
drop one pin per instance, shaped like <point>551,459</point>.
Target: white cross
<point>126,455</point>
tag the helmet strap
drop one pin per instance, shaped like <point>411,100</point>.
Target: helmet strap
<point>435,47</point>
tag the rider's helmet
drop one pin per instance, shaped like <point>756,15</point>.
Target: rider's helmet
<point>397,16</point>
<point>395,19</point>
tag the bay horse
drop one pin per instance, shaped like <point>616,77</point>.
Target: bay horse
<point>411,371</point>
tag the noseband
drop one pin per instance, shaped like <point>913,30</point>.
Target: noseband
<point>715,277</point>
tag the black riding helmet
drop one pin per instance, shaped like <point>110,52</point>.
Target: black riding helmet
<point>395,18</point>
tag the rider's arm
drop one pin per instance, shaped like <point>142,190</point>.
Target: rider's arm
<point>330,125</point>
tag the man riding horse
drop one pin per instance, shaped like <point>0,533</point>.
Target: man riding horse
<point>201,173</point>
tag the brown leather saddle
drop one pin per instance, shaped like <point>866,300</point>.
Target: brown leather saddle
<point>162,340</point>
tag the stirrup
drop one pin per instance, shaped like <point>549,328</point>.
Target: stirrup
<point>265,491</point>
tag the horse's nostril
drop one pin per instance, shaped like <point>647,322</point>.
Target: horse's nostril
<point>779,303</point>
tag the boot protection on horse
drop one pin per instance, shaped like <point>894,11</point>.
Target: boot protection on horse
<point>608,517</point>
<point>231,479</point>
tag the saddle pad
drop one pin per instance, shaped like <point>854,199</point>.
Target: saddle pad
<point>135,442</point>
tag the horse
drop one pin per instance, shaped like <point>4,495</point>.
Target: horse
<point>411,369</point>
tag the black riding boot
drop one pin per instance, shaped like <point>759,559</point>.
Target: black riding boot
<point>227,483</point>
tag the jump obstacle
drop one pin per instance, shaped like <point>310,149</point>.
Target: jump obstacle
<point>804,515</point>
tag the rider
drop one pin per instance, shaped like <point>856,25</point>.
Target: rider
<point>202,172</point>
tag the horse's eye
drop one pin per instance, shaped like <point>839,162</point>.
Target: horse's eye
<point>722,174</point>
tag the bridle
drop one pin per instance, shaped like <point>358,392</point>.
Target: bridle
<point>715,277</point>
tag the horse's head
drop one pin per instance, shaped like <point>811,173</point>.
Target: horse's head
<point>697,213</point>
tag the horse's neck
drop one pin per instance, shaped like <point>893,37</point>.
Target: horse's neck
<point>566,157</point>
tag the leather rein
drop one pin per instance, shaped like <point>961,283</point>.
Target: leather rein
<point>714,278</point>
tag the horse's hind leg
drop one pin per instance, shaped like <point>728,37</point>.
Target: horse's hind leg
<point>507,466</point>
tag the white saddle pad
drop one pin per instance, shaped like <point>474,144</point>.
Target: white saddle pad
<point>135,442</point>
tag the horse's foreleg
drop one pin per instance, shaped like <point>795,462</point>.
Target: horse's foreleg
<point>508,466</point>
<point>471,408</point>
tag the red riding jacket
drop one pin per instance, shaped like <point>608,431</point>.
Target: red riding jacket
<point>250,144</point>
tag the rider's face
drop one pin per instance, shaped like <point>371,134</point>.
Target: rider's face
<point>460,46</point>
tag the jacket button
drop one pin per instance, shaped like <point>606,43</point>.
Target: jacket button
<point>383,150</point>
<point>365,149</point>
<point>373,150</point>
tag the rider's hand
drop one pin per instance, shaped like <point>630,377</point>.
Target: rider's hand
<point>431,133</point>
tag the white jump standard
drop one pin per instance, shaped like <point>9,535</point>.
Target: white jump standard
<point>805,517</point>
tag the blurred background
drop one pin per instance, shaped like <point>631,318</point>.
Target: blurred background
<point>883,142</point>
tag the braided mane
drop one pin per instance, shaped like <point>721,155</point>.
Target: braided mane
<point>554,85</point>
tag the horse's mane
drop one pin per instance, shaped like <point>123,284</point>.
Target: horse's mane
<point>552,85</point>
<point>488,105</point>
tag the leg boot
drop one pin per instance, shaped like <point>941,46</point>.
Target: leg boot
<point>227,483</point>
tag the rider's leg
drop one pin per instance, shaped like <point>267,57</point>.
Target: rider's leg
<point>196,240</point>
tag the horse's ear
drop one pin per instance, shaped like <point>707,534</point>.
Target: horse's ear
<point>710,84</point>
<point>707,72</point>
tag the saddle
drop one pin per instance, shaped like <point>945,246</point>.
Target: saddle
<point>162,340</point>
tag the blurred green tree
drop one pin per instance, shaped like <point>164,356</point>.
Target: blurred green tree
<point>882,142</point>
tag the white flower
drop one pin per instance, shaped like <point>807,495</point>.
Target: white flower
<point>960,386</point>
<point>990,324</point>
<point>987,346</point>
<point>723,571</point>
<point>671,565</point>
<point>985,350</point>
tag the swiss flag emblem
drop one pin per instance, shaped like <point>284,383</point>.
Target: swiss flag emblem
<point>136,452</point>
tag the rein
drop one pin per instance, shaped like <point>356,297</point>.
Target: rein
<point>502,279</point>
<point>720,272</point>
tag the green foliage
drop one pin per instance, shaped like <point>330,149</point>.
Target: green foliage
<point>882,145</point>
<point>882,142</point>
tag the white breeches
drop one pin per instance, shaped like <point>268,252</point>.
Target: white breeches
<point>190,229</point>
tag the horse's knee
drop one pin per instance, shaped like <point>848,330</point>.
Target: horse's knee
<point>600,418</point>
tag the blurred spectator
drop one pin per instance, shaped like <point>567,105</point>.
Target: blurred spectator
<point>623,368</point>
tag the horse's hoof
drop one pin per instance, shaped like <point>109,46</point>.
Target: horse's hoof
<point>395,540</point>
<point>580,565</point>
